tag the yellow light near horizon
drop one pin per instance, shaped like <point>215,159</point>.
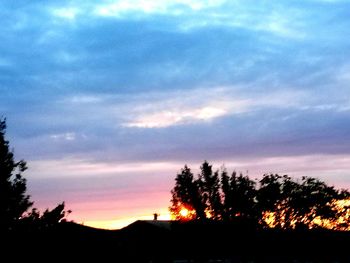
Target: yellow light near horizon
<point>119,223</point>
<point>184,212</point>
<point>109,224</point>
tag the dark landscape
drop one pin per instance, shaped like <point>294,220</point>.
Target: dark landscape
<point>174,241</point>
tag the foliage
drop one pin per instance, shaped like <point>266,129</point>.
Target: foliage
<point>309,203</point>
<point>14,202</point>
<point>209,187</point>
<point>186,195</point>
<point>241,196</point>
<point>34,220</point>
<point>274,201</point>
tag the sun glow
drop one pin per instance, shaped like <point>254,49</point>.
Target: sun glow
<point>184,212</point>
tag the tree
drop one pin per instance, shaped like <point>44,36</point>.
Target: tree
<point>226,194</point>
<point>14,202</point>
<point>311,203</point>
<point>239,196</point>
<point>186,197</point>
<point>54,216</point>
<point>209,197</point>
<point>274,201</point>
<point>209,186</point>
<point>243,197</point>
<point>13,199</point>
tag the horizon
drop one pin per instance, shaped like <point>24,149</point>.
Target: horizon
<point>107,101</point>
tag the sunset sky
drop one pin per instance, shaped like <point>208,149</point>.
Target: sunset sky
<point>107,100</point>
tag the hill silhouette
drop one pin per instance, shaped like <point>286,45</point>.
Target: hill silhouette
<point>177,241</point>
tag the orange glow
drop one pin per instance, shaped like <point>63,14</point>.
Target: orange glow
<point>269,218</point>
<point>184,212</point>
<point>187,213</point>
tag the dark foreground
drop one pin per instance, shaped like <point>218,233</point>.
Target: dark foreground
<point>165,241</point>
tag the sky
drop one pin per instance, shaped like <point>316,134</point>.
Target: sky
<point>108,100</point>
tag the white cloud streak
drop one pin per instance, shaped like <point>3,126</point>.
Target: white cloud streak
<point>285,23</point>
<point>68,136</point>
<point>172,7</point>
<point>170,118</point>
<point>154,110</point>
<point>67,13</point>
<point>75,167</point>
<point>179,108</point>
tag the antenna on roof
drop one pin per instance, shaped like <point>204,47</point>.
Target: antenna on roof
<point>155,216</point>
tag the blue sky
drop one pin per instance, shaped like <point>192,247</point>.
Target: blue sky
<point>107,100</point>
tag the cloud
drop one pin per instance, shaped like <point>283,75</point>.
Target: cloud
<point>169,7</point>
<point>169,118</point>
<point>330,1</point>
<point>202,105</point>
<point>342,75</point>
<point>201,14</point>
<point>186,107</point>
<point>68,136</point>
<point>85,168</point>
<point>174,125</point>
<point>104,55</point>
<point>68,13</point>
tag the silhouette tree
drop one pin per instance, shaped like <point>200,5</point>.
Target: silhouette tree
<point>239,197</point>
<point>243,193</point>
<point>54,216</point>
<point>186,195</point>
<point>209,185</point>
<point>14,202</point>
<point>310,203</point>
<point>226,194</point>
<point>276,201</point>
<point>13,199</point>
